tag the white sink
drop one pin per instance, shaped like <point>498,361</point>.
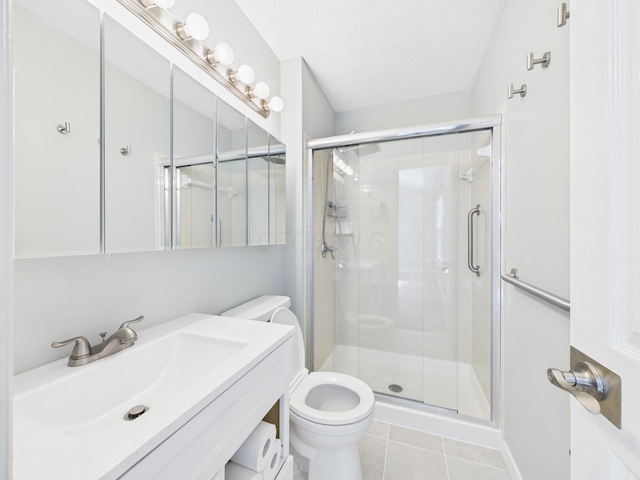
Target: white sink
<point>71,420</point>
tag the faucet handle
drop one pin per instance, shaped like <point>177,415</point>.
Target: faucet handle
<point>81,349</point>
<point>129,322</point>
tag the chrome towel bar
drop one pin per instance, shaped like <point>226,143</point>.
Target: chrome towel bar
<point>513,278</point>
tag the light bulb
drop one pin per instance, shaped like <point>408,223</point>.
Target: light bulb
<point>261,90</point>
<point>245,74</point>
<point>276,104</point>
<point>224,53</point>
<point>195,26</point>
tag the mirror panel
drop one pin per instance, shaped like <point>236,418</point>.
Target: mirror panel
<point>194,116</point>
<point>258,181</point>
<point>277,192</point>
<point>57,172</point>
<point>210,178</point>
<point>231,182</point>
<point>137,142</point>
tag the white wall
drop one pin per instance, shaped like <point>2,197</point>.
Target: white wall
<point>535,231</point>
<point>421,111</point>
<point>6,242</point>
<point>308,115</point>
<point>59,298</point>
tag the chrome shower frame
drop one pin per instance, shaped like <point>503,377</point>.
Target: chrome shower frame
<point>488,123</point>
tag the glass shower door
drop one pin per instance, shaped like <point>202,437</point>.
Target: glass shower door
<point>396,271</point>
<point>402,256</point>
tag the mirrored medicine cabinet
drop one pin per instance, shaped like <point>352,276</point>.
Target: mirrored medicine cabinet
<point>118,150</point>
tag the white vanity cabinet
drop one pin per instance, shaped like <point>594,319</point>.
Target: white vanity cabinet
<point>207,381</point>
<point>203,445</point>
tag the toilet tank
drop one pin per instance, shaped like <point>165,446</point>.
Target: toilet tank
<point>260,308</point>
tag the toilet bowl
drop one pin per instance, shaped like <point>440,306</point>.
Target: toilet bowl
<point>329,413</point>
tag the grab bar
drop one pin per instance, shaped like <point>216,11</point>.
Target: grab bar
<point>470,262</point>
<point>513,278</point>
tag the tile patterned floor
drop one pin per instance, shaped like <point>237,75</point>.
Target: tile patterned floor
<point>390,452</point>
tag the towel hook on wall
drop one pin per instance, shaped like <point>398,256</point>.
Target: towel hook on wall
<point>563,15</point>
<point>64,128</point>
<point>544,60</point>
<point>522,90</point>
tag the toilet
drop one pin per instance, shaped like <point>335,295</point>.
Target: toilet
<point>329,412</point>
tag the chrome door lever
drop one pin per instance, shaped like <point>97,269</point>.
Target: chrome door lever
<point>583,382</point>
<point>597,388</point>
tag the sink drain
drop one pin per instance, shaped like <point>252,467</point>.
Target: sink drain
<point>395,388</point>
<point>135,412</point>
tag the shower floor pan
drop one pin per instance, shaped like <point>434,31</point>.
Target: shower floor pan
<point>440,383</point>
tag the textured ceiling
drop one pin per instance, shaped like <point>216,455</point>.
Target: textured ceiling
<point>373,52</point>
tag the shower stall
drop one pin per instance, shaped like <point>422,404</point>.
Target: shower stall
<point>404,267</point>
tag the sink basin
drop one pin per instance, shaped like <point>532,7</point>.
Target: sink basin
<point>75,416</point>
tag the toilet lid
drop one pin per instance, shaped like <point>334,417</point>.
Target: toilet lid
<point>284,316</point>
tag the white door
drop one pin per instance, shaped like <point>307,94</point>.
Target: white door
<point>605,225</point>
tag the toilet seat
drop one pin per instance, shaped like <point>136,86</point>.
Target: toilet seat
<point>299,405</point>
<point>358,397</point>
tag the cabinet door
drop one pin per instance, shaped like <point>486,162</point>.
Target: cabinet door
<point>137,142</point>
<point>194,113</point>
<point>57,127</point>
<point>258,178</point>
<point>277,192</point>
<point>231,152</point>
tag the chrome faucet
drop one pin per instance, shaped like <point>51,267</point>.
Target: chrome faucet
<point>83,353</point>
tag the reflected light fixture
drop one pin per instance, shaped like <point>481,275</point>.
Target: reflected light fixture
<point>195,26</point>
<point>188,37</point>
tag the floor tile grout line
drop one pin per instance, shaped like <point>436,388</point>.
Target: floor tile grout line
<point>417,446</point>
<point>386,454</point>
<point>477,463</point>
<point>446,462</point>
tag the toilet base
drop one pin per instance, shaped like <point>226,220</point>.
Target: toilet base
<point>342,464</point>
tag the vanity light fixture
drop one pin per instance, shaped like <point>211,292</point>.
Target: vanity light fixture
<point>244,74</point>
<point>188,37</point>
<point>259,90</point>
<point>222,54</point>
<point>274,105</point>
<point>195,26</point>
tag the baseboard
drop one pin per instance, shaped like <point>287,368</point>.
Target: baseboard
<point>512,467</point>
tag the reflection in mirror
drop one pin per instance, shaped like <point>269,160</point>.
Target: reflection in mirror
<point>231,176</point>
<point>277,192</point>
<point>137,142</point>
<point>194,113</point>
<point>258,178</point>
<point>56,60</point>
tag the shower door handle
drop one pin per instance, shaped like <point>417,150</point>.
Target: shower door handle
<point>470,240</point>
